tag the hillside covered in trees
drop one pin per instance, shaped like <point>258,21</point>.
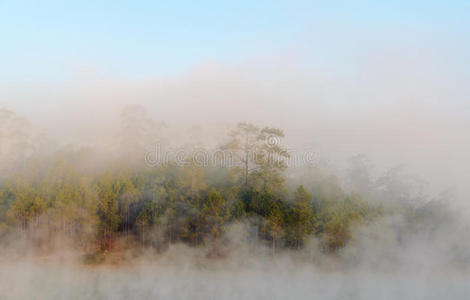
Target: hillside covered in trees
<point>130,200</point>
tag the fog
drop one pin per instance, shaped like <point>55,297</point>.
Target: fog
<point>373,110</point>
<point>394,118</point>
<point>375,266</point>
<point>406,109</point>
<point>154,281</point>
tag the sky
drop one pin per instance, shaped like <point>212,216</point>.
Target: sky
<point>47,41</point>
<point>384,78</point>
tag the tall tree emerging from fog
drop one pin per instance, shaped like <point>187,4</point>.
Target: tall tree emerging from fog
<point>244,141</point>
<point>256,149</point>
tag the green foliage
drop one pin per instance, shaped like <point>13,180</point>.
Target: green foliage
<point>158,206</point>
<point>214,214</point>
<point>300,220</point>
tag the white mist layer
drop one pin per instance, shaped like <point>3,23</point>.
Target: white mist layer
<point>162,281</point>
<point>383,261</point>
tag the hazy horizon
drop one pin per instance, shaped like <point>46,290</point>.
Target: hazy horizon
<point>376,92</point>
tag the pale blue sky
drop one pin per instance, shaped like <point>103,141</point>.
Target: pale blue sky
<point>43,41</point>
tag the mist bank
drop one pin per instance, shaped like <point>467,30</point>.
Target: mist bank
<point>229,214</point>
<point>373,269</point>
<point>119,196</point>
<point>155,281</point>
<point>385,260</point>
<point>399,106</point>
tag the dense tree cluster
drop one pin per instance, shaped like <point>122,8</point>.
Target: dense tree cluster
<point>154,206</point>
<point>159,206</point>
